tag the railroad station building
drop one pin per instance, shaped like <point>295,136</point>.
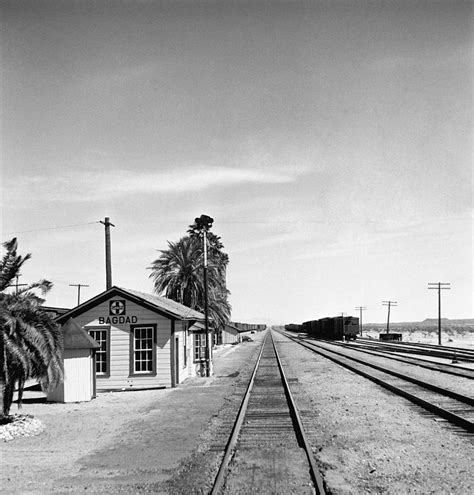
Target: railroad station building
<point>145,341</point>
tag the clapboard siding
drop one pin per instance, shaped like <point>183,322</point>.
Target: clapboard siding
<point>119,339</point>
<point>174,324</point>
<point>230,335</point>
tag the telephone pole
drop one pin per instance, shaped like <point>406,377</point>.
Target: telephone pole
<point>389,304</point>
<point>78,291</point>
<point>108,260</point>
<point>18,285</point>
<point>360,309</point>
<point>342,316</point>
<point>439,286</point>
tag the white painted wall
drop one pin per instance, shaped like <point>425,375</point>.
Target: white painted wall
<point>120,347</point>
<point>77,385</point>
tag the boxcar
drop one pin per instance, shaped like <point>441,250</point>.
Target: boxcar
<point>332,328</point>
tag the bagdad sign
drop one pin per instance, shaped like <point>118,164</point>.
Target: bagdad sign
<point>117,314</point>
<point>108,320</point>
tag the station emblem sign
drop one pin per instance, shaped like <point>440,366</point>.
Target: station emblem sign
<point>117,307</point>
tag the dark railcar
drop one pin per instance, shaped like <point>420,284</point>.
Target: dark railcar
<point>332,328</point>
<point>306,327</point>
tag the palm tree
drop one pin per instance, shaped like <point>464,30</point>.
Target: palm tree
<point>31,345</point>
<point>219,308</point>
<point>177,274</point>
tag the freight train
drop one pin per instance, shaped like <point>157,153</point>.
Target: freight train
<point>247,327</point>
<point>337,328</point>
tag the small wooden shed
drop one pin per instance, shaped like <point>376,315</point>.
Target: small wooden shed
<point>79,383</point>
<point>230,335</point>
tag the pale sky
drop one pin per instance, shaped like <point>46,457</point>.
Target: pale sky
<point>330,141</point>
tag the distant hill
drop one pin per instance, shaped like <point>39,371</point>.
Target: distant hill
<point>428,322</point>
<point>418,331</point>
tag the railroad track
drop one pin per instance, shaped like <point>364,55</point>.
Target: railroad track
<point>267,451</point>
<point>444,352</point>
<point>449,369</point>
<point>456,408</point>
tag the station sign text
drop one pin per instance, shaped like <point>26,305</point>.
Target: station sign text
<point>114,320</point>
<point>117,314</point>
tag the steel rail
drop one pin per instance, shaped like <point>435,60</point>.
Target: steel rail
<point>303,442</point>
<point>453,395</point>
<point>446,368</point>
<point>429,349</point>
<point>230,446</point>
<point>315,474</point>
<point>421,344</point>
<point>453,418</point>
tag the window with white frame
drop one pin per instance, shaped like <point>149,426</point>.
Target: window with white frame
<point>199,346</point>
<point>143,350</point>
<point>101,336</point>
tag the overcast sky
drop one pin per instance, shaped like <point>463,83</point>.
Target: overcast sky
<point>330,141</point>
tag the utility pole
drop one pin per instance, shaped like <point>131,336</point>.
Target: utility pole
<point>439,286</point>
<point>342,315</point>
<point>18,285</point>
<point>108,259</point>
<point>389,304</point>
<point>202,225</point>
<point>78,291</point>
<point>360,309</point>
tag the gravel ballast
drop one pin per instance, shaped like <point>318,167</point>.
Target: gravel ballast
<point>368,440</point>
<point>365,439</point>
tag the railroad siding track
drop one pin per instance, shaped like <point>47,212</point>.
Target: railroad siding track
<point>452,407</point>
<point>444,352</point>
<point>395,356</point>
<point>268,450</point>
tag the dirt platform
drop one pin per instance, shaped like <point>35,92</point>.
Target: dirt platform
<point>122,441</point>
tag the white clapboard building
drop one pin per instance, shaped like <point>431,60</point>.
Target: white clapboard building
<point>145,341</point>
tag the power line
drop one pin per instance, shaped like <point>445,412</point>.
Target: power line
<point>221,222</point>
<point>50,228</point>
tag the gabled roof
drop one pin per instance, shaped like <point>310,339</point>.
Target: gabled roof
<point>228,325</point>
<point>197,327</point>
<point>77,338</point>
<point>53,309</point>
<point>240,330</point>
<point>161,305</point>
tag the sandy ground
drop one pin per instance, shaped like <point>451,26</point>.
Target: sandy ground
<point>365,439</point>
<point>120,441</point>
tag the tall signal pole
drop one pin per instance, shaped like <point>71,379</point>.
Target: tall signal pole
<point>360,309</point>
<point>389,304</point>
<point>202,225</point>
<point>78,291</point>
<point>108,259</point>
<point>439,286</point>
